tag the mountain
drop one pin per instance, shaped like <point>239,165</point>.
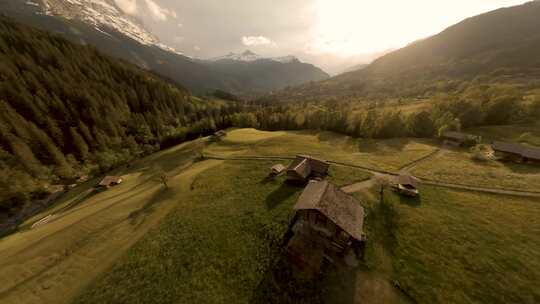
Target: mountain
<point>102,24</point>
<point>356,67</point>
<point>496,47</point>
<point>265,74</point>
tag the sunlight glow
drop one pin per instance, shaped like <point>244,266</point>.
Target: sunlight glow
<point>347,27</point>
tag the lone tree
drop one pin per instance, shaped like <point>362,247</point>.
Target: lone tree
<point>163,178</point>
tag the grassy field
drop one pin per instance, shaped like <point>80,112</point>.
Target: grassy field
<point>214,236</point>
<point>390,154</point>
<point>465,247</point>
<point>458,167</point>
<point>215,247</point>
<point>55,261</point>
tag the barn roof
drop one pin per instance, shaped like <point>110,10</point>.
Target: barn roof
<point>341,208</point>
<point>278,168</point>
<point>109,180</point>
<point>304,165</point>
<point>515,148</point>
<point>407,180</point>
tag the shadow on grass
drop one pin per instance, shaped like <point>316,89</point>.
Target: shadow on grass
<point>410,201</point>
<point>281,194</point>
<point>91,192</point>
<point>527,168</point>
<point>138,215</point>
<point>281,285</point>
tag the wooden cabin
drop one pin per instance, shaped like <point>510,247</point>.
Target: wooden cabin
<point>328,225</point>
<point>110,181</point>
<point>219,135</point>
<point>515,152</point>
<point>277,169</point>
<point>459,139</point>
<point>406,185</point>
<point>305,167</point>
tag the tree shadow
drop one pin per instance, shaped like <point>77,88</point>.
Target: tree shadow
<point>278,196</point>
<point>138,216</point>
<point>78,201</point>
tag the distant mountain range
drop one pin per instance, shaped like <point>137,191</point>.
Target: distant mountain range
<point>496,47</point>
<point>102,24</point>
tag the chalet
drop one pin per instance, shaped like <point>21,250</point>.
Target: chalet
<point>110,181</point>
<point>305,167</point>
<point>327,226</point>
<point>516,152</point>
<point>406,185</point>
<point>219,135</point>
<point>459,139</point>
<point>277,170</point>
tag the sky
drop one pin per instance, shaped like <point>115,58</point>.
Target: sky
<point>332,34</point>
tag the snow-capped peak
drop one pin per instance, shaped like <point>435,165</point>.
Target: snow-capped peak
<point>102,14</point>
<point>249,56</point>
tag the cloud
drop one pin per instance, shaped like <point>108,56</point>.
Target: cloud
<point>127,6</point>
<point>157,12</point>
<point>197,48</point>
<point>257,41</point>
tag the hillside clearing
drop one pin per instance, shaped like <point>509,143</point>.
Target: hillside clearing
<point>55,261</point>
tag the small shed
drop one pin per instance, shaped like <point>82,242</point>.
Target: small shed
<point>516,152</point>
<point>305,167</point>
<point>328,219</point>
<point>277,169</point>
<point>460,139</point>
<point>406,185</point>
<point>110,181</point>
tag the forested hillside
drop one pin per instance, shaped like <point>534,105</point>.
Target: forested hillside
<point>66,110</point>
<point>496,47</point>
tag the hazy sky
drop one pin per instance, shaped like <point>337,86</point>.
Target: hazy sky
<point>332,34</point>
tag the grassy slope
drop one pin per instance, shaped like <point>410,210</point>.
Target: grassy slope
<point>383,154</point>
<point>214,248</point>
<point>53,262</point>
<point>466,247</point>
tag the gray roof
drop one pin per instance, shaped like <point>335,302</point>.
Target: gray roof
<point>407,180</point>
<point>458,135</point>
<point>341,208</point>
<point>278,168</point>
<point>515,148</point>
<point>109,180</point>
<point>304,165</point>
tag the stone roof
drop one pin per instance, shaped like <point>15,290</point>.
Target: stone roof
<point>341,208</point>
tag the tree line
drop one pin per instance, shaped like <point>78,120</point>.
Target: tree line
<point>66,111</point>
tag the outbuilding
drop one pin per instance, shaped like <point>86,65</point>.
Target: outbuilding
<point>515,152</point>
<point>110,181</point>
<point>328,224</point>
<point>305,167</point>
<point>406,185</point>
<point>460,139</point>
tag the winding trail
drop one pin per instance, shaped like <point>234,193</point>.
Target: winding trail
<point>382,174</point>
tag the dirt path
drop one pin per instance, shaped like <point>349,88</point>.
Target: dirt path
<point>378,174</point>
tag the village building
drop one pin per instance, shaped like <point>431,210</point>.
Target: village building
<point>516,152</point>
<point>219,135</point>
<point>406,185</point>
<point>305,167</point>
<point>277,169</point>
<point>459,139</point>
<point>328,225</point>
<point>110,181</point>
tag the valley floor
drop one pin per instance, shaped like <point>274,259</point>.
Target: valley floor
<point>214,236</point>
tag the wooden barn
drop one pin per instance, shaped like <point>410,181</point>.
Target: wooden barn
<point>406,185</point>
<point>304,167</point>
<point>277,169</point>
<point>516,152</point>
<point>328,225</point>
<point>459,139</point>
<point>110,181</point>
<point>219,135</point>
